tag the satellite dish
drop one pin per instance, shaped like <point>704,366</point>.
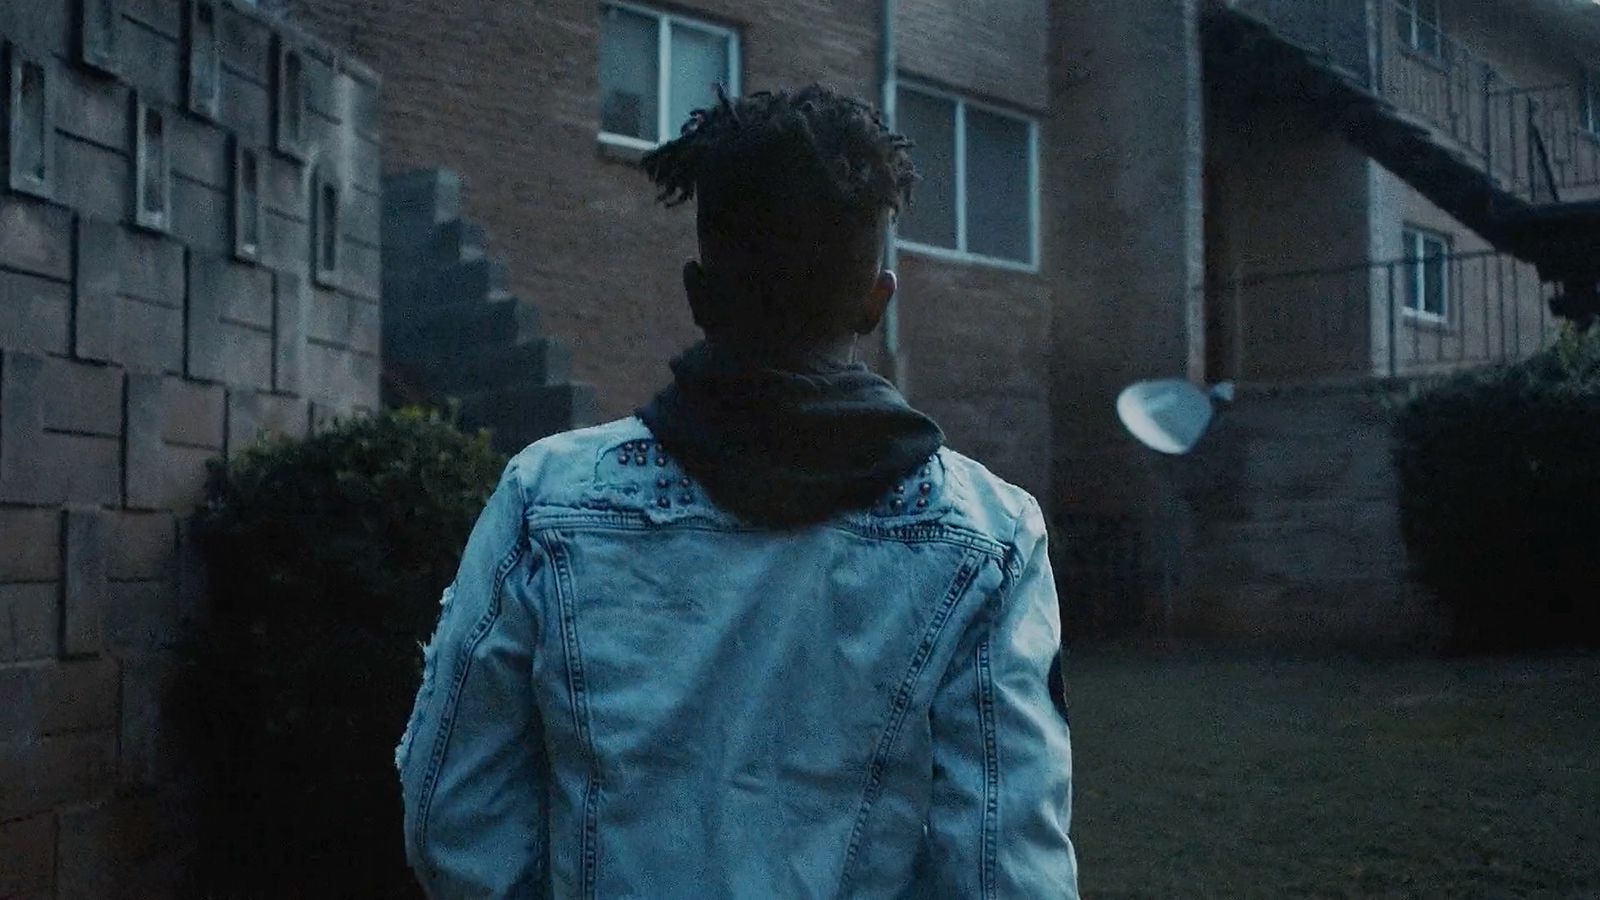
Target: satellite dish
<point>1169,415</point>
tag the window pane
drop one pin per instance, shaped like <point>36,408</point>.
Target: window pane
<point>1428,39</point>
<point>699,60</point>
<point>1433,278</point>
<point>998,189</point>
<point>930,123</point>
<point>629,67</point>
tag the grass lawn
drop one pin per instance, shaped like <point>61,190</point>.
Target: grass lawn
<point>1225,774</point>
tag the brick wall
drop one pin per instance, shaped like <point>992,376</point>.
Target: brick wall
<point>142,331</point>
<point>508,96</point>
<point>1289,525</point>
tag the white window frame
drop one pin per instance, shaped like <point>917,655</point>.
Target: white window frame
<point>1416,239</point>
<point>960,253</point>
<point>1412,11</point>
<point>664,23</point>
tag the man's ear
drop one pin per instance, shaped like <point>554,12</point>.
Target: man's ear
<point>883,288</point>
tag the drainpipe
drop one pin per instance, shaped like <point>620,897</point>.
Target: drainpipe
<point>888,63</point>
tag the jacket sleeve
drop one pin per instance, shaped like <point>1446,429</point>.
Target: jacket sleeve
<point>1002,780</point>
<point>471,761</point>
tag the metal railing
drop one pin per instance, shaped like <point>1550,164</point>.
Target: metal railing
<point>1399,317</point>
<point>1531,143</point>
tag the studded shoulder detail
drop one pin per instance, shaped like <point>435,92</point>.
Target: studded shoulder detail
<point>640,473</point>
<point>918,494</point>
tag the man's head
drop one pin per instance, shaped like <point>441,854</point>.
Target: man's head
<point>794,189</point>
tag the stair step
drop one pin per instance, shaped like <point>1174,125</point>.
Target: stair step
<point>523,414</point>
<point>458,242</point>
<point>465,328</point>
<point>542,361</point>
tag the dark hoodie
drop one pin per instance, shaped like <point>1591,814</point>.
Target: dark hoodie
<point>791,445</point>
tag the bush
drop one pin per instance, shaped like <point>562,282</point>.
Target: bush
<point>327,559</point>
<point>1500,497</point>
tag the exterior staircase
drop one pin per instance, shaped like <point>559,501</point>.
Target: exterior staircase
<point>453,331</point>
<point>1508,161</point>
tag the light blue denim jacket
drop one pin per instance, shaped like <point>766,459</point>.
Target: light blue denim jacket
<point>630,694</point>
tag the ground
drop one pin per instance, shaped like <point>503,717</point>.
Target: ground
<point>1221,774</point>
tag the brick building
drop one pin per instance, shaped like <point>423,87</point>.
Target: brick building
<point>1271,191</point>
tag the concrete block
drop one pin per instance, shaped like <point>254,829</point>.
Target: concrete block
<point>142,546</point>
<point>93,109</point>
<point>324,416</point>
<point>203,56</point>
<point>161,16</point>
<point>203,326</point>
<point>30,544</point>
<point>150,61</point>
<point>96,319</point>
<point>196,415</point>
<point>253,416</point>
<point>246,45</point>
<point>28,856</point>
<point>149,752</point>
<point>193,599</point>
<point>417,202</point>
<point>81,468</point>
<point>151,338</point>
<point>247,295</point>
<point>366,330</point>
<point>361,270</point>
<point>362,218</point>
<point>247,353</point>
<point>200,152</point>
<point>35,237</point>
<point>22,443</point>
<point>40,27</point>
<point>35,314</point>
<point>163,472</point>
<point>152,268</point>
<point>30,621</point>
<point>100,24</point>
<point>285,187</point>
<point>141,616</point>
<point>289,331</point>
<point>366,165</point>
<point>246,109</point>
<point>94,180</point>
<point>328,317</point>
<point>319,75</point>
<point>364,104</point>
<point>76,695</point>
<point>287,245</point>
<point>82,398</point>
<point>84,582</point>
<point>200,217</point>
<point>62,769</point>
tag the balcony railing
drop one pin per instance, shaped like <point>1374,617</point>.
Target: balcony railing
<point>1398,317</point>
<point>1533,144</point>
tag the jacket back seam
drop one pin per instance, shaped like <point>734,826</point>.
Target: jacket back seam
<point>965,575</point>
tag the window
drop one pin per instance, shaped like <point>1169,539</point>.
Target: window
<point>978,197</point>
<point>1427,274</point>
<point>1590,105</point>
<point>1418,21</point>
<point>656,68</point>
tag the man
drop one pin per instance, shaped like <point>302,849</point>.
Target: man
<point>767,638</point>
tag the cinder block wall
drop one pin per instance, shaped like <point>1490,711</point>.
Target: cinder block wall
<point>144,329</point>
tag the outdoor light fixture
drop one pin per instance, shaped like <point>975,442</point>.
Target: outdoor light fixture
<point>1169,415</point>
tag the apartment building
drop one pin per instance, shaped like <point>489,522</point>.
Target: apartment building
<point>545,108</point>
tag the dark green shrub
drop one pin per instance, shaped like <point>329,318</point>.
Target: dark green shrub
<point>327,559</point>
<point>1500,497</point>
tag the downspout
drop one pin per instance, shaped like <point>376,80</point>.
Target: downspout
<point>888,63</point>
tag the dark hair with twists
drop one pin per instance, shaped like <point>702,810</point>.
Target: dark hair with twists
<point>792,191</point>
